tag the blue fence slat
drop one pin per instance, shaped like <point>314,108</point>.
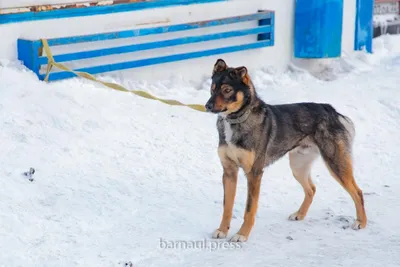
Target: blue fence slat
<point>157,44</point>
<point>157,60</point>
<point>95,10</point>
<point>28,53</point>
<point>364,25</point>
<point>263,22</point>
<point>157,30</point>
<point>273,27</point>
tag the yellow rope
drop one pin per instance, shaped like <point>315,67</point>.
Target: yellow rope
<point>114,86</point>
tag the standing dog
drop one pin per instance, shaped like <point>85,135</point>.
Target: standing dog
<point>253,134</point>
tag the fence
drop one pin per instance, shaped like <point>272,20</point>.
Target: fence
<point>30,51</point>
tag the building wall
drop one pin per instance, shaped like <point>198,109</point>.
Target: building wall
<point>278,56</point>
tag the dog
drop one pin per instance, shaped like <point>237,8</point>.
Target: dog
<point>253,135</point>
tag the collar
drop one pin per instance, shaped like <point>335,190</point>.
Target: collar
<point>239,119</point>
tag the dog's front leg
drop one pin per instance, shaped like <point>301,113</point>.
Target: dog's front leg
<point>253,193</point>
<point>229,180</point>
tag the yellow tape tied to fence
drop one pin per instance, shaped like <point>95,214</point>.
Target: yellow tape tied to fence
<point>114,86</point>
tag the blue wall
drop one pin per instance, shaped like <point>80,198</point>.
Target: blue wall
<point>364,25</point>
<point>318,28</point>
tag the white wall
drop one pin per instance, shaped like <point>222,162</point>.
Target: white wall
<point>349,25</point>
<point>277,56</point>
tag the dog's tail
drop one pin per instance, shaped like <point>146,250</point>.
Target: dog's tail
<point>344,121</point>
<point>348,124</point>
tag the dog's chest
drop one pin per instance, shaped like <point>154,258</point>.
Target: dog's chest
<point>232,134</point>
<point>228,133</point>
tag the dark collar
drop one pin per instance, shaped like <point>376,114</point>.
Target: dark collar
<point>239,119</point>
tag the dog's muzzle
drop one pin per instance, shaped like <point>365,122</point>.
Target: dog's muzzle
<point>209,106</point>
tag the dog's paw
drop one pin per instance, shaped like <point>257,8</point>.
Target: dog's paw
<point>296,217</point>
<point>218,234</point>
<point>357,225</point>
<point>238,238</point>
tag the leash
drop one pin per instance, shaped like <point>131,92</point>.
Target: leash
<point>51,63</point>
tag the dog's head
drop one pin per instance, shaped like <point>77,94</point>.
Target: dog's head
<point>231,89</point>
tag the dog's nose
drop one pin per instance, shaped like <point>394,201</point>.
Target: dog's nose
<point>209,106</point>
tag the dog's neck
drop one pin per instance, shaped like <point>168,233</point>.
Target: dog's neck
<point>240,116</point>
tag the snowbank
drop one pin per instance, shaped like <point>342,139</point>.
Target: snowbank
<point>116,173</point>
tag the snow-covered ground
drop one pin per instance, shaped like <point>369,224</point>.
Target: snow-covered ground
<point>116,173</point>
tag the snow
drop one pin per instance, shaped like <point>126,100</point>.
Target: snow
<point>119,178</point>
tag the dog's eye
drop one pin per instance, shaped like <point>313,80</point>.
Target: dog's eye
<point>226,89</point>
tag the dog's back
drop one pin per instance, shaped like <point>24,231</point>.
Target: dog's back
<point>301,123</point>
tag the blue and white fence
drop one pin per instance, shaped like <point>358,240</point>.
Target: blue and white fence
<point>29,52</point>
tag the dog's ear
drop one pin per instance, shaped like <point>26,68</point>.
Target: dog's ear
<point>239,73</point>
<point>219,66</point>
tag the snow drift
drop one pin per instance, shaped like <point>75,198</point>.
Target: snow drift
<point>121,178</point>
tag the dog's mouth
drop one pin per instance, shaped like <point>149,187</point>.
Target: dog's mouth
<point>222,111</point>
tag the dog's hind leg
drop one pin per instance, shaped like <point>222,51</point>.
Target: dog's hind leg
<point>337,157</point>
<point>301,159</point>
<point>229,181</point>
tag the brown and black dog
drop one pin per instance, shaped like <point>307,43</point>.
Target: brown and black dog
<point>253,134</point>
